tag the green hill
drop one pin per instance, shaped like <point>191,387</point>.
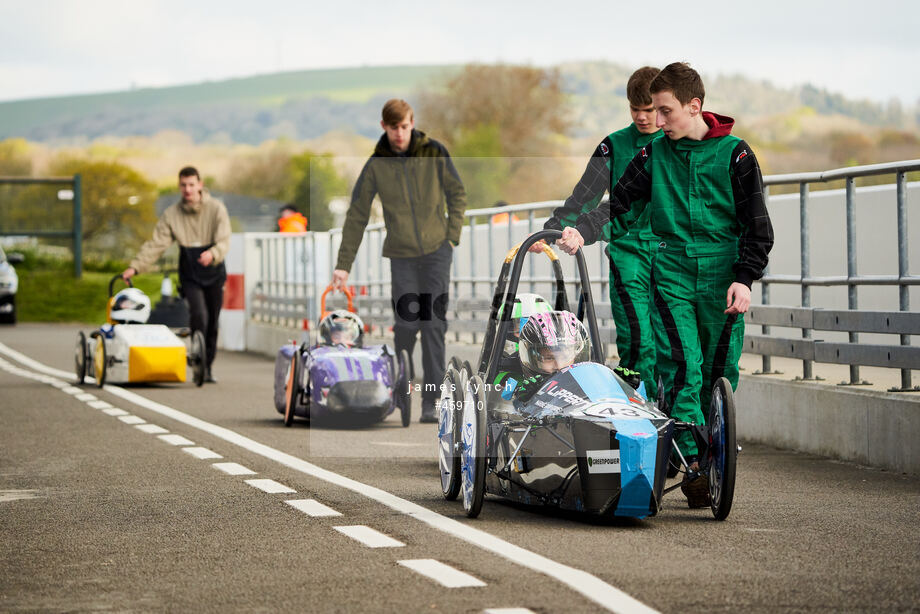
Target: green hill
<point>307,104</point>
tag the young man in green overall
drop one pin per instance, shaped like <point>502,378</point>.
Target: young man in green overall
<point>707,208</point>
<point>630,241</point>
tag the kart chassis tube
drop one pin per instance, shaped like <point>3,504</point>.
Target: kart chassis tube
<point>491,367</point>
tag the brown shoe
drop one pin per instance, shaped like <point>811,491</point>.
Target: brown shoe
<point>697,491</point>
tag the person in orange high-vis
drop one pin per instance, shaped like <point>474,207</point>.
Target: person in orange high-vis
<point>502,218</point>
<point>291,220</point>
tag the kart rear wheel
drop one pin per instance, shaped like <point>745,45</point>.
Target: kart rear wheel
<point>455,363</point>
<point>100,360</point>
<point>294,384</point>
<point>403,391</point>
<point>473,446</point>
<point>198,358</point>
<point>80,358</point>
<point>448,433</point>
<point>723,449</point>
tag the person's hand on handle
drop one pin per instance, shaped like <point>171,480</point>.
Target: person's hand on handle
<point>537,247</point>
<point>571,241</point>
<point>339,277</point>
<point>738,299</point>
<point>128,273</point>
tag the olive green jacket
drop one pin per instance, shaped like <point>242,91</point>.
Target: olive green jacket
<point>422,195</point>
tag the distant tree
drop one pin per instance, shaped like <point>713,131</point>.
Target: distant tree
<point>527,106</point>
<point>15,158</point>
<point>118,206</point>
<point>315,181</point>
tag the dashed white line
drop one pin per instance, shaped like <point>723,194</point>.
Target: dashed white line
<point>85,397</point>
<point>445,575</point>
<point>177,440</point>
<point>132,419</point>
<point>270,486</point>
<point>99,404</point>
<point>312,507</point>
<point>584,583</point>
<point>114,411</point>
<point>153,429</point>
<point>72,390</point>
<point>508,611</point>
<point>233,469</point>
<point>371,538</point>
<point>202,453</point>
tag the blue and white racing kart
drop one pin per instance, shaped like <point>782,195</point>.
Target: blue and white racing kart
<point>585,441</point>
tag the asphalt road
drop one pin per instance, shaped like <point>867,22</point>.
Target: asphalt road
<point>103,512</point>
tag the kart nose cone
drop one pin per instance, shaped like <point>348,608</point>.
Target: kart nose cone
<point>364,395</point>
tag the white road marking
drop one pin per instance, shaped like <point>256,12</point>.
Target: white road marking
<point>312,507</point>
<point>114,411</point>
<point>153,429</point>
<point>371,538</point>
<point>508,611</point>
<point>99,404</point>
<point>59,384</point>
<point>582,582</point>
<point>400,444</point>
<point>177,440</point>
<point>270,486</point>
<point>17,495</point>
<point>202,453</point>
<point>132,419</point>
<point>445,575</point>
<point>86,397</point>
<point>72,390</point>
<point>233,469</point>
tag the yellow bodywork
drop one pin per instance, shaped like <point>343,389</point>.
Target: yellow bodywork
<point>156,364</point>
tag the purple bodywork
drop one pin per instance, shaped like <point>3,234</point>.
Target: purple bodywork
<point>340,380</point>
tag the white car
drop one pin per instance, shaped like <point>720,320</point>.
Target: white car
<point>9,283</point>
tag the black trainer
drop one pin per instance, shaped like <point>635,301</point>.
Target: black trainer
<point>429,415</point>
<point>697,491</point>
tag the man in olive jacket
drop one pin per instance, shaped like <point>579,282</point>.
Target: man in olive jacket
<point>423,203</point>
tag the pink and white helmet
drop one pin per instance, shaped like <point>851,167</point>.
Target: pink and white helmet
<point>552,341</point>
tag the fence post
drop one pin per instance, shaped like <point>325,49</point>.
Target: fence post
<point>852,301</point>
<point>903,289</point>
<point>806,268</point>
<point>77,226</point>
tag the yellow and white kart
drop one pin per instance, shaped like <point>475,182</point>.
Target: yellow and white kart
<point>127,350</point>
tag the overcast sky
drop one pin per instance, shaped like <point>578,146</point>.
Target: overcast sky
<point>862,49</point>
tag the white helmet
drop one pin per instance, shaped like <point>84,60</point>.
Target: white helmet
<point>130,305</point>
<point>342,327</point>
<point>553,341</point>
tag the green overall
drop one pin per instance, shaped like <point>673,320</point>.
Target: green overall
<point>694,213</point>
<point>630,248</point>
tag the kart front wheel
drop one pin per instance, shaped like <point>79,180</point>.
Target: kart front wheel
<point>403,389</point>
<point>723,449</point>
<point>293,388</point>
<point>100,360</point>
<point>80,358</point>
<point>198,358</point>
<point>473,446</point>
<point>449,434</point>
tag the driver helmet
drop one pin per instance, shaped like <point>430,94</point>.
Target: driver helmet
<point>130,305</point>
<point>341,327</point>
<point>552,341</point>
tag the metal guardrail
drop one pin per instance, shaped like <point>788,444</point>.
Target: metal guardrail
<point>288,299</point>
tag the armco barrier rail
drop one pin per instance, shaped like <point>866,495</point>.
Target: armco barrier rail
<point>295,269</point>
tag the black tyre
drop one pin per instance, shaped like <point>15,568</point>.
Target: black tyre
<point>473,446</point>
<point>80,358</point>
<point>198,357</point>
<point>449,434</point>
<point>294,388</point>
<point>100,360</point>
<point>723,449</point>
<point>455,363</point>
<point>403,390</point>
<point>9,317</point>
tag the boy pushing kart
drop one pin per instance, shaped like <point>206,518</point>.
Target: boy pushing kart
<point>705,195</point>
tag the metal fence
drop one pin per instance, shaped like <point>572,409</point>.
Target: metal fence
<point>295,269</point>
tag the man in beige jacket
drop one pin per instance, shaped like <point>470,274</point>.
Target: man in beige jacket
<point>200,225</point>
